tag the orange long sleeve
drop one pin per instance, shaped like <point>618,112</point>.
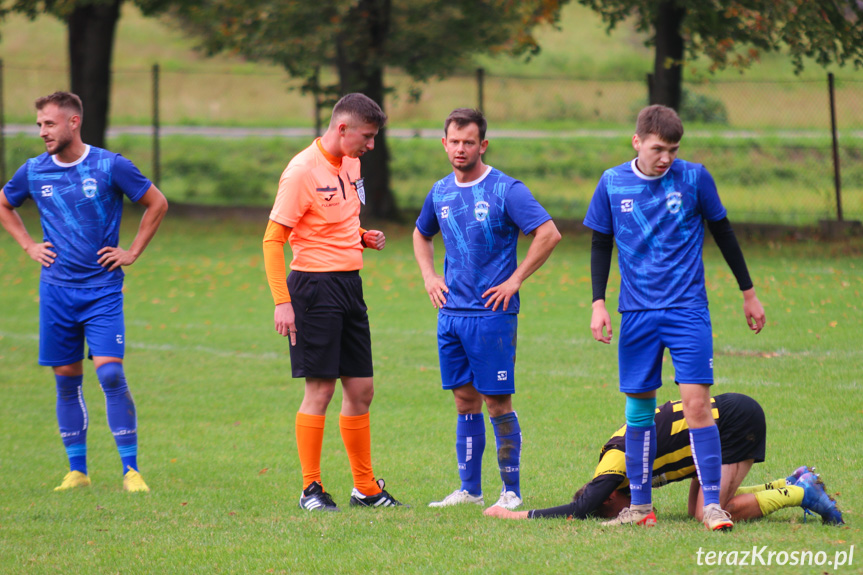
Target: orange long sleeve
<point>275,239</point>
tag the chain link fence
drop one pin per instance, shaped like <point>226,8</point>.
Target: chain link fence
<point>768,144</point>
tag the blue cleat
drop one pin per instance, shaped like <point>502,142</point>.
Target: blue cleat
<point>815,499</point>
<point>795,477</point>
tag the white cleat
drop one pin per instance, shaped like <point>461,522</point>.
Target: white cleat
<point>458,497</point>
<point>508,500</point>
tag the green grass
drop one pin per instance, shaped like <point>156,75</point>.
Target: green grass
<point>216,408</point>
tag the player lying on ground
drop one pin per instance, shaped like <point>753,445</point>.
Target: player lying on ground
<point>742,431</point>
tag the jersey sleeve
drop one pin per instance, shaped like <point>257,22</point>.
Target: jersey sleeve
<point>523,209</point>
<point>17,190</point>
<point>598,216</point>
<point>427,222</point>
<point>708,197</point>
<point>293,199</point>
<point>129,179</point>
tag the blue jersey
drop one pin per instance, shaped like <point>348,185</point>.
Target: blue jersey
<point>658,225</point>
<point>479,222</point>
<point>80,207</point>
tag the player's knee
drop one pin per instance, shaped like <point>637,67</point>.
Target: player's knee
<point>111,376</point>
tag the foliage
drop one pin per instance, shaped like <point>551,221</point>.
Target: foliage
<point>425,38</point>
<point>736,33</point>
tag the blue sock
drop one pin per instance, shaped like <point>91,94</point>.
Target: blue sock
<point>707,455</point>
<point>122,417</point>
<point>469,447</point>
<point>507,434</point>
<point>72,418</point>
<point>640,441</point>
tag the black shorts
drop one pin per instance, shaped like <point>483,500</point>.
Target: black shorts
<point>333,338</point>
<point>742,428</point>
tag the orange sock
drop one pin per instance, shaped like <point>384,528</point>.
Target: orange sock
<point>310,440</point>
<point>357,436</point>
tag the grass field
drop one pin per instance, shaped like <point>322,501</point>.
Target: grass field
<point>216,409</point>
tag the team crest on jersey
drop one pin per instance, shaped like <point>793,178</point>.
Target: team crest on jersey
<point>90,187</point>
<point>625,206</point>
<point>444,212</point>
<point>361,191</point>
<point>47,191</point>
<point>673,201</point>
<point>480,210</point>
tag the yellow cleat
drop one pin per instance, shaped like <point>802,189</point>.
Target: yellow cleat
<point>73,479</point>
<point>133,482</point>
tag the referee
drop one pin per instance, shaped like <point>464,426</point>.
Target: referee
<point>320,306</point>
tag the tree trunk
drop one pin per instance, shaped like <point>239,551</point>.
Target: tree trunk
<point>668,64</point>
<point>91,30</point>
<point>360,66</point>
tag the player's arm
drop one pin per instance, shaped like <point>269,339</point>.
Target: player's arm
<point>155,207</point>
<point>275,239</point>
<point>12,223</point>
<point>374,239</point>
<point>434,283</point>
<point>601,246</point>
<point>545,238</point>
<point>726,240</point>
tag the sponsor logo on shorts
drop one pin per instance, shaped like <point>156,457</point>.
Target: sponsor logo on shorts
<point>480,210</point>
<point>444,212</point>
<point>120,338</point>
<point>502,376</point>
<point>673,201</point>
<point>625,206</point>
<point>711,363</point>
<point>90,187</point>
<point>47,191</point>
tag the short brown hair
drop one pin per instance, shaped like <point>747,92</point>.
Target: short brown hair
<point>360,107</point>
<point>66,100</point>
<point>659,121</point>
<point>464,116</point>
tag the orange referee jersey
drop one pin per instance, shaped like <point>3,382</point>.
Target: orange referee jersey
<point>318,199</point>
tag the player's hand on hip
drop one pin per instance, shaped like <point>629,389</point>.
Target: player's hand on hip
<point>600,323</point>
<point>754,311</point>
<point>41,254</point>
<point>501,294</point>
<point>112,258</point>
<point>375,239</point>
<point>284,320</point>
<point>437,290</point>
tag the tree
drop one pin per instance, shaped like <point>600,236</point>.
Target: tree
<point>735,33</point>
<point>91,25</point>
<point>361,39</point>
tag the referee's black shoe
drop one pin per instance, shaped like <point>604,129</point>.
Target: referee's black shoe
<point>382,499</point>
<point>314,498</point>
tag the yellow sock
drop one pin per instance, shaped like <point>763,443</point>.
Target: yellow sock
<point>772,500</point>
<point>775,484</point>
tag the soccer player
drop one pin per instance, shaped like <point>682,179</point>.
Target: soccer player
<point>654,207</point>
<point>479,211</point>
<point>79,191</point>
<point>743,433</point>
<point>320,306</point>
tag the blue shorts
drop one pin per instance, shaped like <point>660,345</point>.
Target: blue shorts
<point>478,350</point>
<point>68,316</point>
<point>644,335</point>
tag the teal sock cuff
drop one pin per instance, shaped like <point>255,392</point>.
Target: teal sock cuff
<point>640,411</point>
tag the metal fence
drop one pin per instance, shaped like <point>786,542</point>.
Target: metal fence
<point>769,143</point>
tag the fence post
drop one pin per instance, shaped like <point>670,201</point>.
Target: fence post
<point>157,163</point>
<point>836,174</point>
<point>480,89</point>
<point>2,131</point>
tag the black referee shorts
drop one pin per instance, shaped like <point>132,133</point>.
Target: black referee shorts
<point>742,428</point>
<point>333,338</point>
